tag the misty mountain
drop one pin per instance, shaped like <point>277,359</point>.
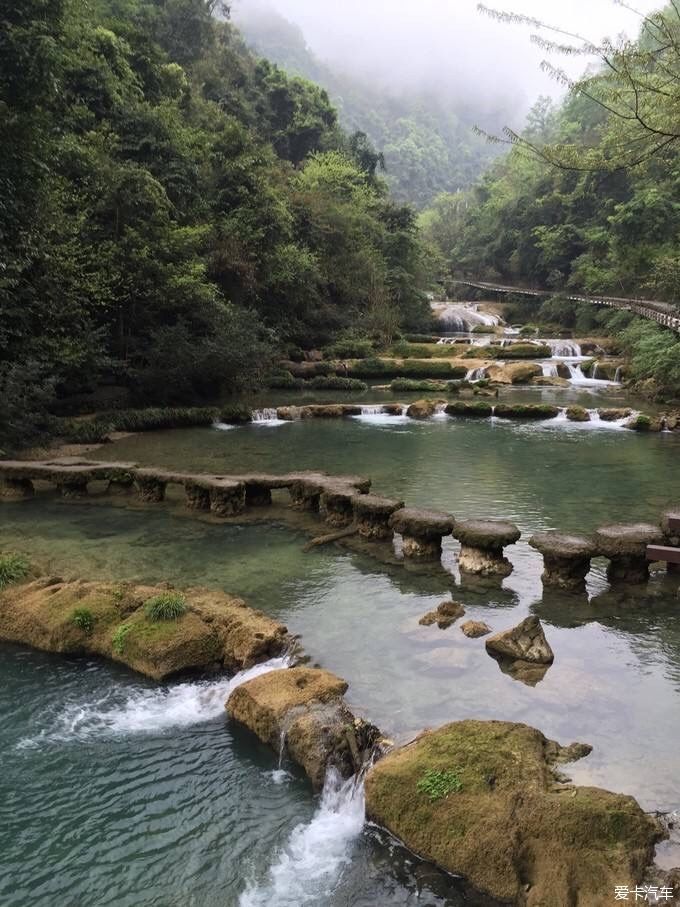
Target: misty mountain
<point>426,138</point>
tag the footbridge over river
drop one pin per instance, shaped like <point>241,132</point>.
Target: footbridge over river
<point>661,312</point>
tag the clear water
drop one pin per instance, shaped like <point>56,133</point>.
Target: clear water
<point>118,793</point>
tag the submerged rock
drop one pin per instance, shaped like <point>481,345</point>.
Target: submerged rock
<point>525,642</point>
<point>303,710</point>
<point>444,615</point>
<point>473,629</point>
<point>214,632</point>
<point>480,799</point>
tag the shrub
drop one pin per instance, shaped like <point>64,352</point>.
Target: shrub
<point>165,606</point>
<point>83,618</point>
<point>406,350</point>
<point>437,784</point>
<point>118,639</point>
<point>284,380</point>
<point>420,338</point>
<point>95,431</point>
<point>13,567</point>
<point>484,329</point>
<point>350,348</point>
<point>336,383</point>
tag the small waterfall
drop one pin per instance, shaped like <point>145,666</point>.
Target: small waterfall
<point>593,374</point>
<point>279,775</point>
<point>264,415</point>
<point>309,865</point>
<point>372,410</point>
<point>563,348</point>
<point>617,374</point>
<point>149,710</point>
<point>476,374</point>
<point>549,369</point>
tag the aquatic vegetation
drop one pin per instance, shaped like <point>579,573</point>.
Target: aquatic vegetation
<point>118,639</point>
<point>13,567</point>
<point>166,606</point>
<point>83,618</point>
<point>336,383</point>
<point>439,783</point>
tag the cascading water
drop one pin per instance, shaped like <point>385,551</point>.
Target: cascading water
<point>618,374</point>
<point>476,374</point>
<point>563,349</point>
<point>267,416</point>
<point>376,415</point>
<point>308,866</point>
<point>149,710</point>
<point>549,369</point>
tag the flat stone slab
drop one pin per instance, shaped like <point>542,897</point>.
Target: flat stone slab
<point>563,545</point>
<point>493,534</point>
<point>627,540</point>
<point>671,515</point>
<point>372,504</point>
<point>421,523</point>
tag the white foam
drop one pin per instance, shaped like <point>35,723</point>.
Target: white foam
<point>223,426</point>
<point>307,868</point>
<point>148,710</point>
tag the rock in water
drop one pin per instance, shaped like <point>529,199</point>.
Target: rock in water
<point>480,799</point>
<point>421,409</point>
<point>444,615</point>
<point>525,642</point>
<point>473,629</point>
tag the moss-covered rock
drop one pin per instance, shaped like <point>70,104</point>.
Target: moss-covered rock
<point>304,708</point>
<point>215,632</point>
<point>642,422</point>
<point>578,414</point>
<point>421,409</point>
<point>614,415</point>
<point>478,409</point>
<point>480,799</point>
<point>526,411</point>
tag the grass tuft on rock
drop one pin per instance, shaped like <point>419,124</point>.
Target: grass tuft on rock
<point>438,784</point>
<point>118,639</point>
<point>165,606</point>
<point>83,618</point>
<point>13,567</point>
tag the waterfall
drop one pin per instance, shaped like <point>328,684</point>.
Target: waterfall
<point>147,710</point>
<point>476,374</point>
<point>309,865</point>
<point>617,374</point>
<point>563,348</point>
<point>549,369</point>
<point>372,410</point>
<point>593,374</point>
<point>265,415</point>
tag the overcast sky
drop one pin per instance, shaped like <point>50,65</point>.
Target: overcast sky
<point>448,43</point>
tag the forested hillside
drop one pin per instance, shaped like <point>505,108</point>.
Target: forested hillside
<point>174,210</point>
<point>427,140</point>
<point>588,198</point>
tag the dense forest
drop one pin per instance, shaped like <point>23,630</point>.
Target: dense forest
<point>174,211</point>
<point>587,199</point>
<point>426,139</point>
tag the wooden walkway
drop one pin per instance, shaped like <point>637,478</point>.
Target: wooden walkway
<point>661,312</point>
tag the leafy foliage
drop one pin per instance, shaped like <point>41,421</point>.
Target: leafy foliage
<point>173,210</point>
<point>118,639</point>
<point>165,606</point>
<point>438,784</point>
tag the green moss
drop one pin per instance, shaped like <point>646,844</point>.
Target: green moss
<point>476,408</point>
<point>165,606</point>
<point>640,423</point>
<point>335,383</point>
<point>526,411</point>
<point>413,384</point>
<point>83,618</point>
<point>13,567</point>
<point>439,783</point>
<point>284,381</point>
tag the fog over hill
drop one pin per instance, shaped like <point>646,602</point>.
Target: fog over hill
<point>418,77</point>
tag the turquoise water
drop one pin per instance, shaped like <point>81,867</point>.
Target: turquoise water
<point>121,793</point>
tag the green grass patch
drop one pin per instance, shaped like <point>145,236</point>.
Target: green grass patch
<point>165,606</point>
<point>437,784</point>
<point>118,640</point>
<point>83,618</point>
<point>13,567</point>
<point>336,383</point>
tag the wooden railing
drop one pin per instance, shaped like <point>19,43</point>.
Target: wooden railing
<point>661,312</point>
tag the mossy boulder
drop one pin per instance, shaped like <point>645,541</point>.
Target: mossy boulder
<point>578,414</point>
<point>481,799</point>
<point>515,373</point>
<point>644,423</point>
<point>614,415</point>
<point>216,631</point>
<point>526,411</point>
<point>421,409</point>
<point>478,409</point>
<point>523,351</point>
<point>304,708</point>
